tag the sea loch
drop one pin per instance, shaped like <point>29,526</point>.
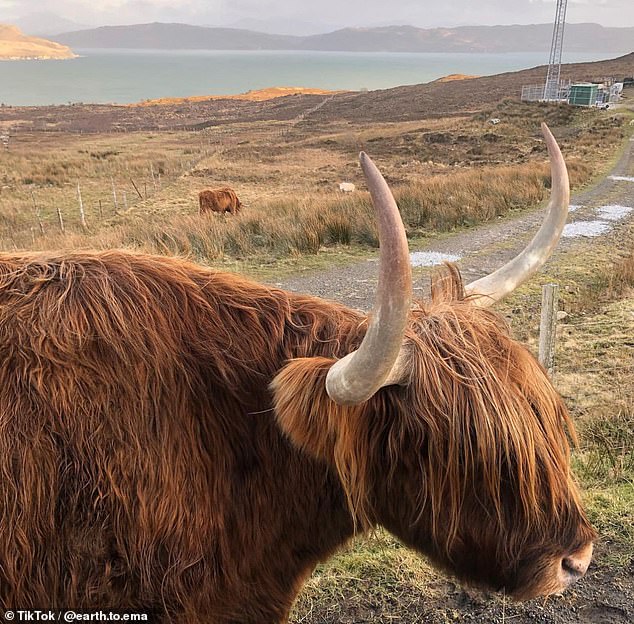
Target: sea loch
<point>125,76</point>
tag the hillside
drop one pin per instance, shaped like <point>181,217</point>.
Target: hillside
<point>438,98</point>
<point>483,39</point>
<point>15,45</point>
<point>176,36</point>
<point>407,103</point>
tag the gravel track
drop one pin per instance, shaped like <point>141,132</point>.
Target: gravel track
<point>482,249</point>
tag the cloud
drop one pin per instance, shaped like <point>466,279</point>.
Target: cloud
<point>352,12</point>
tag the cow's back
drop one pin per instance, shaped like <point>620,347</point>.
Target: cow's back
<point>223,199</point>
<point>139,457</point>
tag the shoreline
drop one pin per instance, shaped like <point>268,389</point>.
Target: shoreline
<point>39,58</point>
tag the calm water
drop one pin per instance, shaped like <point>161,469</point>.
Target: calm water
<point>124,76</point>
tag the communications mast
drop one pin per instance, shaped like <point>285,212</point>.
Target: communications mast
<point>551,90</point>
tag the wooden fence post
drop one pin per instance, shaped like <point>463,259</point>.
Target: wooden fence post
<point>37,214</point>
<point>60,219</point>
<point>136,189</point>
<point>548,326</point>
<point>82,214</point>
<point>114,195</point>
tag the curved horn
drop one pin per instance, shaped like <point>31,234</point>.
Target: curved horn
<point>506,279</point>
<point>357,376</point>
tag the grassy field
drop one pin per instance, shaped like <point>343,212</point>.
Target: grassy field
<point>139,191</point>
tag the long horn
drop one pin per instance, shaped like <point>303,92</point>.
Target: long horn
<point>506,279</point>
<point>357,376</point>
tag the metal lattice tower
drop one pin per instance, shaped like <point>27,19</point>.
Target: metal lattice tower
<point>551,90</point>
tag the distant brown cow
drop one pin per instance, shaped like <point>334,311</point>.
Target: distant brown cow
<point>223,200</point>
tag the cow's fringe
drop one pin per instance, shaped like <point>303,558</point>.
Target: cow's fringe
<point>479,415</point>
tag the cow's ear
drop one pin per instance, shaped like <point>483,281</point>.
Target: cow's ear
<point>337,434</point>
<point>305,412</point>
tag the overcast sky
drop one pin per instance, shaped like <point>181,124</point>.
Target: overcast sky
<point>329,13</point>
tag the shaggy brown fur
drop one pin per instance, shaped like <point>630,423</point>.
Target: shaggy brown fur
<point>145,463</point>
<point>221,200</point>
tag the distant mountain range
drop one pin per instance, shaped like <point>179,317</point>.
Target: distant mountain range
<point>15,45</point>
<point>494,39</point>
<point>45,23</point>
<point>277,26</point>
<point>177,36</point>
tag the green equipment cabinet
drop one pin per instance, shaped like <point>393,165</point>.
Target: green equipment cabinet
<point>583,94</point>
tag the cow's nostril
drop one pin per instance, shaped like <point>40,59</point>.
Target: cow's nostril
<point>575,565</point>
<point>572,567</point>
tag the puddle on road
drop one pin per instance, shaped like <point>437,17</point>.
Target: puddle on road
<point>585,228</point>
<point>589,229</point>
<point>614,212</point>
<point>431,258</point>
<point>623,178</point>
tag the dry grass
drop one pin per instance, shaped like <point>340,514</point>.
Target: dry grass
<point>596,370</point>
<point>304,225</point>
<point>475,195</point>
<point>621,278</point>
<point>256,95</point>
<point>40,174</point>
<point>287,182</point>
<point>277,221</point>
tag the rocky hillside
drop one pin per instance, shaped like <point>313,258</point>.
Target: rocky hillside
<point>15,45</point>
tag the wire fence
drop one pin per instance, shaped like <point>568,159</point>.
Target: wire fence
<point>608,332</point>
<point>591,363</point>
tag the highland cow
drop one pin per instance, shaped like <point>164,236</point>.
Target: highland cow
<point>220,200</point>
<point>186,442</point>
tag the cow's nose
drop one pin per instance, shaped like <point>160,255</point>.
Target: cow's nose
<point>575,565</point>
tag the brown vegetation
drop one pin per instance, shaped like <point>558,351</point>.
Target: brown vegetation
<point>257,95</point>
<point>451,77</point>
<point>445,173</point>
